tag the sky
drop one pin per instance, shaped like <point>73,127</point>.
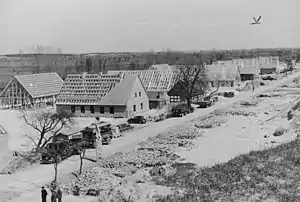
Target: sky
<point>79,26</point>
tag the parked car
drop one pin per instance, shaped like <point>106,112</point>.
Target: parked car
<point>205,103</point>
<point>124,127</point>
<point>137,120</point>
<point>181,110</point>
<point>229,94</point>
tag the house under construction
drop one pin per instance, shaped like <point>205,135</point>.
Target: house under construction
<point>103,95</point>
<point>31,91</point>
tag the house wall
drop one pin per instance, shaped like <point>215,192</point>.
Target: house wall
<point>138,96</point>
<point>225,83</point>
<point>156,104</point>
<point>119,111</point>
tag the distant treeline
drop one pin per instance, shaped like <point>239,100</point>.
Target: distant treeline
<point>99,62</point>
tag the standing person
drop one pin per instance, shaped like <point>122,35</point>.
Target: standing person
<point>59,195</point>
<point>53,195</point>
<point>98,140</point>
<point>44,194</point>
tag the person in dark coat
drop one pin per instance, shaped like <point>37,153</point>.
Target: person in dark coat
<point>44,194</point>
<point>59,195</point>
<point>53,195</point>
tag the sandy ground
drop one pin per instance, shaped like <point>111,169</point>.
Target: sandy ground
<point>242,134</point>
<point>28,182</point>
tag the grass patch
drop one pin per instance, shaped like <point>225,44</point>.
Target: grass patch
<point>271,174</point>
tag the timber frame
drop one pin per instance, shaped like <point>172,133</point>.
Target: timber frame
<point>15,96</point>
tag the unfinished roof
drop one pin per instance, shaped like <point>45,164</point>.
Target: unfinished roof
<point>120,94</point>
<point>154,80</point>
<point>87,89</point>
<point>40,85</point>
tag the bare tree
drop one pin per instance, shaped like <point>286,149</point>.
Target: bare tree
<point>217,79</point>
<point>47,124</point>
<point>192,76</point>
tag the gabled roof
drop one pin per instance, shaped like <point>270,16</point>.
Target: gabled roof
<point>120,94</point>
<point>222,71</point>
<point>39,85</point>
<point>249,69</point>
<point>87,88</point>
<point>153,80</point>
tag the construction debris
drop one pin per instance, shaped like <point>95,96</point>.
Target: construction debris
<point>238,112</point>
<point>211,123</point>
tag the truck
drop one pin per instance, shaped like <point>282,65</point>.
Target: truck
<point>90,133</point>
<point>58,150</point>
<point>64,146</point>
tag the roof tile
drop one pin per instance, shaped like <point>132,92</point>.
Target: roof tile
<point>39,85</point>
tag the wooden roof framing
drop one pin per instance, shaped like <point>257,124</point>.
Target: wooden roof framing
<point>39,85</point>
<point>154,80</point>
<point>87,89</point>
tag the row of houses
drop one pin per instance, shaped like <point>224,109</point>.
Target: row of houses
<point>115,93</point>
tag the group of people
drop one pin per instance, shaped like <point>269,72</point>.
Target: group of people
<point>56,195</point>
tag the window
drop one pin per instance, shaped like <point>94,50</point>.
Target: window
<point>140,94</point>
<point>92,109</point>
<point>112,110</point>
<point>142,106</point>
<point>134,108</point>
<point>175,99</point>
<point>135,94</point>
<point>101,110</point>
<point>82,109</point>
<point>72,109</point>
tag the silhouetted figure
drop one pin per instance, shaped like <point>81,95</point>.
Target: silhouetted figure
<point>44,194</point>
<point>53,196</point>
<point>59,195</point>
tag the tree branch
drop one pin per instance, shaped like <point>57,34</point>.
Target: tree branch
<point>31,124</point>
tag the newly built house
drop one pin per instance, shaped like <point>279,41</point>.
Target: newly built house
<point>157,84</point>
<point>249,72</point>
<point>31,91</point>
<point>103,95</point>
<point>225,74</point>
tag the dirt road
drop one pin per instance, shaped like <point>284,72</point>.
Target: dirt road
<point>28,182</point>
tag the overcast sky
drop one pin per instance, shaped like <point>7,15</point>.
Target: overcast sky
<point>143,25</point>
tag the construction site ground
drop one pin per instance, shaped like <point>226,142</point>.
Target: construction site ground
<point>238,134</point>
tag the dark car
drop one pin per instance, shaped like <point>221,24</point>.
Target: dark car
<point>125,127</point>
<point>181,110</point>
<point>137,120</point>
